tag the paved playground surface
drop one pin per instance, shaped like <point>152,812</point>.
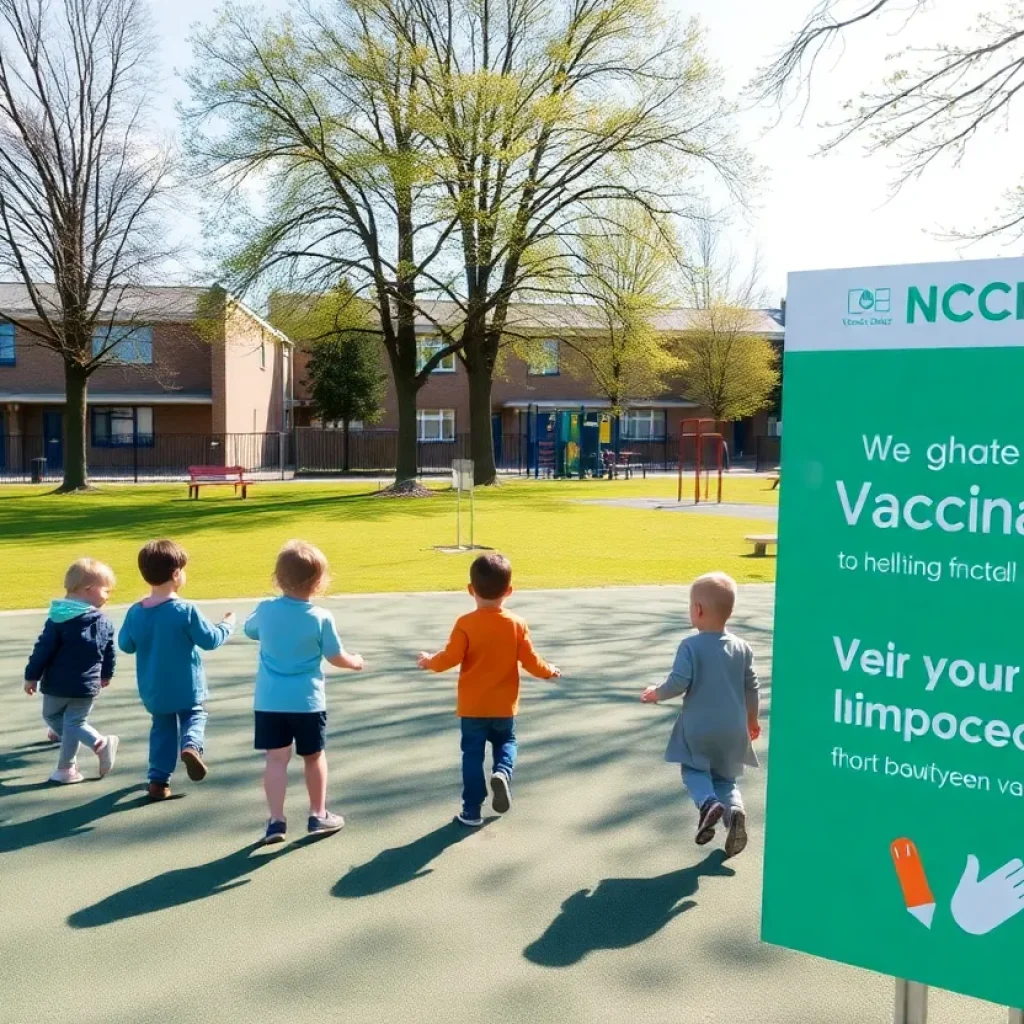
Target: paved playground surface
<point>588,903</point>
<point>730,509</point>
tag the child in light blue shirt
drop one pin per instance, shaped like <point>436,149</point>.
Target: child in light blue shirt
<point>166,635</point>
<point>290,704</point>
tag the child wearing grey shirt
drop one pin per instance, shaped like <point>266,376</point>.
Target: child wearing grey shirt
<point>714,673</point>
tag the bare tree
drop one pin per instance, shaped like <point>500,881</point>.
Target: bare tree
<point>936,99</point>
<point>79,182</point>
<point>729,368</point>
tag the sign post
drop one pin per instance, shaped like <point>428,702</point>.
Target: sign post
<point>462,480</point>
<point>895,836</point>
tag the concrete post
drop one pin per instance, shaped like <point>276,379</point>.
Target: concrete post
<point>911,1003</point>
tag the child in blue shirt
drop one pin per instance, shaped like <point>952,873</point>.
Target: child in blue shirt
<point>290,704</point>
<point>166,634</point>
<point>72,661</point>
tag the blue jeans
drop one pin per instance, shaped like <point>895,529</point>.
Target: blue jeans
<point>165,744</point>
<point>704,786</point>
<point>67,717</point>
<point>476,734</point>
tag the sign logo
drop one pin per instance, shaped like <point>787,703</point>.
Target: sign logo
<point>866,301</point>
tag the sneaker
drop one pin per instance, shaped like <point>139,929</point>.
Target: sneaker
<point>710,815</point>
<point>159,791</point>
<point>67,776</point>
<point>316,826</point>
<point>501,793</point>
<point>193,762</point>
<point>469,820</point>
<point>736,840</point>
<point>52,737</point>
<point>108,755</point>
<point>277,832</point>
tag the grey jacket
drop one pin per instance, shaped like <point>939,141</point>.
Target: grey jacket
<point>715,674</point>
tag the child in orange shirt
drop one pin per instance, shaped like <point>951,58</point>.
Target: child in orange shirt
<point>489,644</point>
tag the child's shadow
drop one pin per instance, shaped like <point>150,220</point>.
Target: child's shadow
<point>69,822</point>
<point>402,864</point>
<point>620,912</point>
<point>178,887</point>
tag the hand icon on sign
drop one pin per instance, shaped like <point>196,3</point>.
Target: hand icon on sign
<point>981,906</point>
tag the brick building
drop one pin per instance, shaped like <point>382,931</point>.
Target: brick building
<point>188,362</point>
<point>525,397</point>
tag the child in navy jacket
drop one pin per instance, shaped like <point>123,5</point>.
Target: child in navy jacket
<point>72,661</point>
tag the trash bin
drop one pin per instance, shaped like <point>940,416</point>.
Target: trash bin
<point>38,470</point>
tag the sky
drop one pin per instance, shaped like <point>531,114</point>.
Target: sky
<point>811,212</point>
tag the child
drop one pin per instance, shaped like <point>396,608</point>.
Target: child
<point>489,645</point>
<point>72,661</point>
<point>290,704</point>
<point>714,671</point>
<point>165,634</point>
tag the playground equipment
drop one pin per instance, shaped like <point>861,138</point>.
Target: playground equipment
<point>693,432</point>
<point>462,480</point>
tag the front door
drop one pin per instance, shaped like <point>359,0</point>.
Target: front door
<point>53,440</point>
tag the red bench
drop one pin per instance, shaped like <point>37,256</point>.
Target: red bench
<point>200,476</point>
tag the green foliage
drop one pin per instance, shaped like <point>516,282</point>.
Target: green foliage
<point>730,370</point>
<point>624,259</point>
<point>344,370</point>
<point>345,378</point>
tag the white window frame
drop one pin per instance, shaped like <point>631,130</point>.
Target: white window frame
<point>126,344</point>
<point>443,419</point>
<point>425,350</point>
<point>136,417</point>
<point>654,420</point>
<point>550,366</point>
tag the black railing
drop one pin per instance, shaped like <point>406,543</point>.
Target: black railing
<point>312,451</point>
<point>23,457</point>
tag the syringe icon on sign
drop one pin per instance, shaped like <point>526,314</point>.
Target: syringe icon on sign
<point>917,893</point>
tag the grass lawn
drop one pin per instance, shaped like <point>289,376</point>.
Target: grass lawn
<point>374,544</point>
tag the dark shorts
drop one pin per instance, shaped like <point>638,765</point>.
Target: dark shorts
<point>306,729</point>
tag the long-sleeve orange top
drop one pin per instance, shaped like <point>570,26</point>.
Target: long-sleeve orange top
<point>490,644</point>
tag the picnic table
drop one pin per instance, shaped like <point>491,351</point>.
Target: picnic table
<point>207,476</point>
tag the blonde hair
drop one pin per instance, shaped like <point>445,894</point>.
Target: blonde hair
<point>716,592</point>
<point>88,572</point>
<point>301,568</point>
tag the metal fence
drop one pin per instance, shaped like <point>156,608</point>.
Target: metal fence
<point>313,451</point>
<point>164,456</point>
<point>376,451</point>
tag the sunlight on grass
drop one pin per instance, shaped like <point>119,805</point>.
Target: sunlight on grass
<point>552,536</point>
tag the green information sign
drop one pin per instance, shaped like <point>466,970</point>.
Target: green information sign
<point>895,829</point>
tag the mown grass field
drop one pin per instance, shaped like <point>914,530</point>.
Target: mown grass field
<point>552,536</point>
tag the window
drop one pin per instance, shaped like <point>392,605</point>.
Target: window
<point>426,348</point>
<point>644,424</point>
<point>435,424</point>
<point>122,426</point>
<point>6,344</point>
<point>774,427</point>
<point>544,360</point>
<point>129,344</point>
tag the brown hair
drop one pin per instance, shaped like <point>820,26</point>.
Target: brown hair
<point>491,576</point>
<point>159,560</point>
<point>88,572</point>
<point>301,568</point>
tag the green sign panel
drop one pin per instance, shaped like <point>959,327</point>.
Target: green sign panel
<point>895,827</point>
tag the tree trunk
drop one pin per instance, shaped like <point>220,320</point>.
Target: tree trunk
<point>481,436</point>
<point>406,465</point>
<point>344,447</point>
<point>76,469</point>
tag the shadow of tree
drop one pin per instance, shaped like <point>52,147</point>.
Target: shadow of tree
<point>69,822</point>
<point>620,912</point>
<point>178,887</point>
<point>401,864</point>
